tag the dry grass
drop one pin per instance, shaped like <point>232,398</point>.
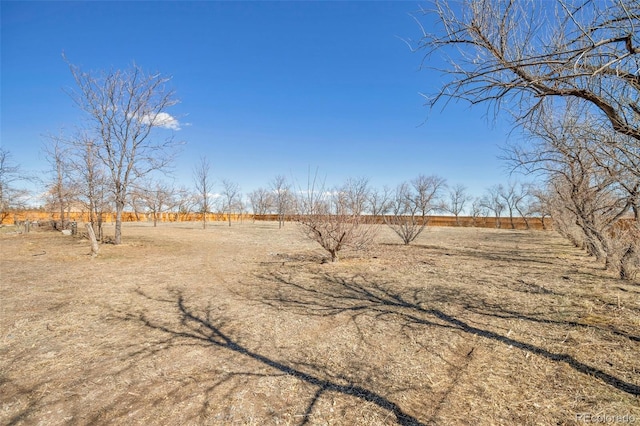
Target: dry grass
<point>244,325</point>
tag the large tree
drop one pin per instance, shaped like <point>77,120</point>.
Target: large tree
<point>124,109</point>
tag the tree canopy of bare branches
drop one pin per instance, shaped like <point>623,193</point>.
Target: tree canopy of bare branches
<point>523,54</point>
<point>124,109</point>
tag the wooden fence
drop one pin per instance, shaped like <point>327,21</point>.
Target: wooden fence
<point>464,221</point>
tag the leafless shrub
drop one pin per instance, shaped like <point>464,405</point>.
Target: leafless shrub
<point>404,218</point>
<point>330,219</point>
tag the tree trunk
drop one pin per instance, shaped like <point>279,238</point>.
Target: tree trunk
<point>118,232</point>
<point>61,215</point>
<point>92,238</point>
<point>626,269</point>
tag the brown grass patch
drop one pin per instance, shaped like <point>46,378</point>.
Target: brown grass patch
<point>244,325</point>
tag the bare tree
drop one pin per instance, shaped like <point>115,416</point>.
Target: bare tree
<point>282,197</point>
<point>493,202</point>
<point>156,197</point>
<point>540,203</point>
<point>379,202</point>
<point>186,202</point>
<point>11,198</point>
<point>588,193</point>
<point>522,203</point>
<point>262,201</point>
<point>60,187</point>
<point>231,198</point>
<point>204,187</point>
<point>477,210</point>
<point>458,198</point>
<point>507,196</point>
<point>426,193</point>
<point>355,192</point>
<point>90,180</point>
<point>328,218</point>
<point>406,216</point>
<point>125,108</point>
<point>628,237</point>
<point>527,53</point>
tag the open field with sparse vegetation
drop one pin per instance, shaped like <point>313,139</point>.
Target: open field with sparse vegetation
<point>247,325</point>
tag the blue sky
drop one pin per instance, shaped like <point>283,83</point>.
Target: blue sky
<point>265,88</point>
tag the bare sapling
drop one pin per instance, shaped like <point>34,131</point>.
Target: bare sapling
<point>404,218</point>
<point>412,203</point>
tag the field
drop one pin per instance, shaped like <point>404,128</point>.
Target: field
<point>247,325</point>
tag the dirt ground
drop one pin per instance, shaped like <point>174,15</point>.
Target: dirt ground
<point>245,325</point>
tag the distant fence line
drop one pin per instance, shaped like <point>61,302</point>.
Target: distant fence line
<point>464,221</point>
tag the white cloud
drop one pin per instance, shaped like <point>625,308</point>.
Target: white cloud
<point>162,119</point>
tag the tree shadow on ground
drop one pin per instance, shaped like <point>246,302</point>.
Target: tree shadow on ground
<point>357,296</point>
<point>210,329</point>
<point>486,308</point>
